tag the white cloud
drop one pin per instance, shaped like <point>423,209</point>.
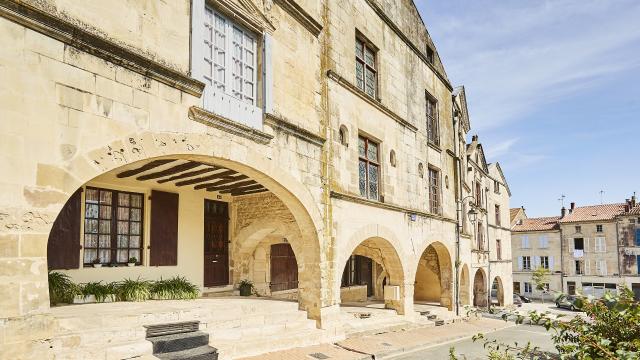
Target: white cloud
<point>501,148</point>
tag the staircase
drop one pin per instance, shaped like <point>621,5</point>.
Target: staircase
<point>180,341</point>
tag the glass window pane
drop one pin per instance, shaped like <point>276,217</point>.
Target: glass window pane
<point>369,57</point>
<point>373,181</point>
<point>135,253</point>
<point>372,151</point>
<point>123,199</point>
<point>89,255</point>
<point>105,197</point>
<point>105,226</point>
<point>359,50</point>
<point>135,228</point>
<point>91,226</point>
<point>123,256</point>
<point>123,227</point>
<point>361,147</point>
<point>91,195</point>
<point>105,212</point>
<point>362,172</point>
<point>105,241</point>
<point>136,214</point>
<point>123,213</point>
<point>370,83</point>
<point>90,241</point>
<point>91,211</point>
<point>134,241</point>
<point>105,256</point>
<point>136,200</point>
<point>123,241</point>
<point>360,75</point>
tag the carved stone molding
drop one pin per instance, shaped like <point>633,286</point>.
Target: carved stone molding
<point>219,122</point>
<point>73,35</point>
<point>377,104</point>
<point>301,16</point>
<point>279,123</point>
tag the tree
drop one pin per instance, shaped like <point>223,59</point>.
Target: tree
<point>541,278</point>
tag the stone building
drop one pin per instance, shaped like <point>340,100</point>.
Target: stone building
<point>590,249</point>
<point>535,242</point>
<point>314,147</point>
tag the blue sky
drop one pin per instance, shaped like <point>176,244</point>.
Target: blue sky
<point>553,89</point>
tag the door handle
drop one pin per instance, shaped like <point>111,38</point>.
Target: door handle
<point>214,261</point>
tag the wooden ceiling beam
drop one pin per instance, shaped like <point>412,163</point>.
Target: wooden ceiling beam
<point>148,166</point>
<point>188,174</point>
<point>224,174</point>
<point>220,182</point>
<point>251,187</point>
<point>170,171</point>
<point>248,192</point>
<point>232,186</point>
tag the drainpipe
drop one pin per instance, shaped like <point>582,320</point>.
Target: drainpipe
<point>456,125</point>
<point>486,215</point>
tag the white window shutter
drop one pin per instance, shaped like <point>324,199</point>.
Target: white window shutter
<point>586,244</point>
<point>268,73</point>
<point>603,247</point>
<point>551,263</point>
<point>572,245</point>
<point>197,39</point>
<point>520,263</point>
<point>587,267</point>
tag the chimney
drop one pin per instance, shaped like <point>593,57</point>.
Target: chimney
<point>573,207</point>
<point>633,201</point>
<point>563,212</point>
<point>474,138</point>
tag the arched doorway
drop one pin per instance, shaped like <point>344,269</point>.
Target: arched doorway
<point>373,269</point>
<point>155,210</point>
<point>434,277</point>
<point>480,289</point>
<point>497,291</point>
<point>465,298</point>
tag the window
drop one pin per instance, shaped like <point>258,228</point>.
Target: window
<point>544,262</point>
<point>498,249</point>
<point>525,242</point>
<point>368,168</point>
<point>112,226</point>
<point>433,135</point>
<point>543,242</point>
<point>526,263</point>
<point>528,288</point>
<point>578,244</point>
<point>516,287</point>
<point>578,229</point>
<point>434,190</point>
<point>430,55</point>
<point>571,287</point>
<point>579,266</point>
<point>496,187</point>
<point>497,215</point>
<point>478,194</point>
<point>600,245</point>
<point>480,237</point>
<point>601,267</point>
<point>357,271</point>
<point>599,228</point>
<point>230,57</point>
<point>366,76</point>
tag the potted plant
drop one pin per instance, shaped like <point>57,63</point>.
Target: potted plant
<point>96,263</point>
<point>132,261</point>
<point>246,287</point>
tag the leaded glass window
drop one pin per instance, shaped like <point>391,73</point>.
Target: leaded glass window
<point>434,190</point>
<point>112,226</point>
<point>433,132</point>
<point>366,75</point>
<point>368,168</point>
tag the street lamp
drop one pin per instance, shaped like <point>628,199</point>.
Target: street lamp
<point>473,215</point>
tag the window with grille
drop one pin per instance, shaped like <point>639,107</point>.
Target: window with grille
<point>544,262</point>
<point>599,228</point>
<point>434,190</point>
<point>229,57</point>
<point>433,135</point>
<point>112,226</point>
<point>366,74</point>
<point>497,215</point>
<point>526,263</point>
<point>368,168</point>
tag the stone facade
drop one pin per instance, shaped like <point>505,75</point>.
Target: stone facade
<point>98,89</point>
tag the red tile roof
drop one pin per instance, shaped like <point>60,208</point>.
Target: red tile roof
<point>513,212</point>
<point>594,213</point>
<point>634,211</point>
<point>537,224</point>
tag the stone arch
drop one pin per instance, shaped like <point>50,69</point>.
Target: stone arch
<point>434,276</point>
<point>382,246</point>
<point>252,161</point>
<point>497,290</point>
<point>480,289</point>
<point>465,298</point>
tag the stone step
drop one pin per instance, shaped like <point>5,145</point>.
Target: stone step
<point>233,349</point>
<point>204,352</point>
<point>178,342</point>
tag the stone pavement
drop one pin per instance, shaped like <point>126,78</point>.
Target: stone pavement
<point>386,345</point>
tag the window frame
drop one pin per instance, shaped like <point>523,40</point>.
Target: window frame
<point>433,120</point>
<point>368,163</point>
<point>361,41</point>
<point>113,227</point>
<point>498,249</point>
<point>435,201</point>
<point>544,262</point>
<point>229,72</point>
<point>599,228</point>
<point>497,211</point>
<point>526,265</point>
<point>529,286</point>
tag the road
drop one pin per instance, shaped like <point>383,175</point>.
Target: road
<point>467,349</point>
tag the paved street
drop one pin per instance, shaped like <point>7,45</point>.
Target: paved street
<point>467,349</point>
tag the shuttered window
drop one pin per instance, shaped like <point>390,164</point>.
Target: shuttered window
<point>113,226</point>
<point>164,229</point>
<point>63,246</point>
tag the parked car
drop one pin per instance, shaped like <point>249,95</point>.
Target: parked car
<point>524,298</point>
<point>567,302</point>
<point>516,300</point>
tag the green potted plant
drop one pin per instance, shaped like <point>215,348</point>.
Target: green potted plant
<point>132,261</point>
<point>96,263</point>
<point>246,287</point>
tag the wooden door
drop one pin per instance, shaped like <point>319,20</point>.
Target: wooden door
<point>284,268</point>
<point>365,273</point>
<point>63,246</point>
<point>216,243</point>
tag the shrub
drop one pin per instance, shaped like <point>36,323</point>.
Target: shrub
<point>133,290</point>
<point>61,288</point>
<point>97,289</point>
<point>174,289</point>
